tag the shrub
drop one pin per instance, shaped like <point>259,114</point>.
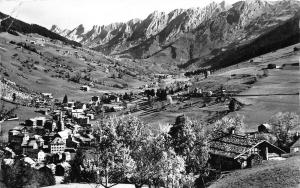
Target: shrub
<point>118,86</point>
<point>271,66</point>
<point>6,74</point>
<point>76,77</point>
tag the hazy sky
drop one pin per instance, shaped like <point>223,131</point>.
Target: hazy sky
<point>71,13</point>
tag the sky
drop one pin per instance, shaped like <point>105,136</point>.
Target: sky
<point>68,14</point>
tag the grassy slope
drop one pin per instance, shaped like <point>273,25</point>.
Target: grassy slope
<point>39,81</point>
<point>270,174</point>
<point>259,108</point>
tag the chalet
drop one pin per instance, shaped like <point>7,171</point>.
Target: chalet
<point>79,105</point>
<point>295,147</point>
<point>48,137</point>
<point>37,121</point>
<point>84,88</point>
<point>77,113</point>
<point>41,156</point>
<point>71,105</point>
<point>50,125</point>
<point>109,107</point>
<point>95,100</point>
<point>232,151</point>
<point>30,147</point>
<point>16,138</point>
<point>57,145</point>
<point>64,134</point>
<point>83,120</point>
<point>47,95</point>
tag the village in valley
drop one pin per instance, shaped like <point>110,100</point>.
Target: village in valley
<point>74,115</point>
<point>62,127</point>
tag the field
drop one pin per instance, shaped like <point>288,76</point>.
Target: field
<point>278,92</point>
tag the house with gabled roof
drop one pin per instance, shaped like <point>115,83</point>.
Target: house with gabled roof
<point>295,147</point>
<point>57,145</point>
<point>232,151</point>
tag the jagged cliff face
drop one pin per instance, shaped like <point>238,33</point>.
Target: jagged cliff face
<point>62,32</point>
<point>136,31</point>
<point>188,35</point>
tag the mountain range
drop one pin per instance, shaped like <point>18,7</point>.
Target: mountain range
<point>192,36</point>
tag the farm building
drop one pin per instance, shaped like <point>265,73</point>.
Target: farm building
<point>85,88</point>
<point>47,95</point>
<point>232,151</point>
<point>34,122</point>
<point>295,147</point>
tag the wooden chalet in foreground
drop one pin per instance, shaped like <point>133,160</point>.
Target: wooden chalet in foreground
<point>230,151</point>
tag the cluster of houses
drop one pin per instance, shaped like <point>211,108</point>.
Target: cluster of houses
<point>53,139</point>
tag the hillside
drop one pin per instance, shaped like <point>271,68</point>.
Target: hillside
<point>270,174</point>
<point>13,25</point>
<point>42,65</point>
<point>278,92</point>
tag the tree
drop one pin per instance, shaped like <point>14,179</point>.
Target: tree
<point>14,97</point>
<point>112,155</point>
<point>46,177</point>
<point>189,140</point>
<point>76,77</point>
<point>20,175</point>
<point>114,163</point>
<point>171,168</point>
<point>6,113</point>
<point>168,168</point>
<point>65,100</point>
<point>75,171</point>
<point>146,157</point>
<point>282,125</point>
<point>232,105</point>
<point>227,123</point>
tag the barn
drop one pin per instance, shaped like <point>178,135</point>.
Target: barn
<point>230,151</point>
<point>295,147</point>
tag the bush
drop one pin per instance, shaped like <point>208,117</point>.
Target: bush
<point>6,74</point>
<point>118,86</point>
<point>232,105</point>
<point>76,77</point>
<point>46,177</point>
<point>271,66</point>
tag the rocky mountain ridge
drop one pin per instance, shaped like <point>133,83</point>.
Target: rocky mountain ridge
<point>185,36</point>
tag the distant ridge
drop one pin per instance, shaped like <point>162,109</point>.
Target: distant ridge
<point>26,28</point>
<point>196,37</point>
